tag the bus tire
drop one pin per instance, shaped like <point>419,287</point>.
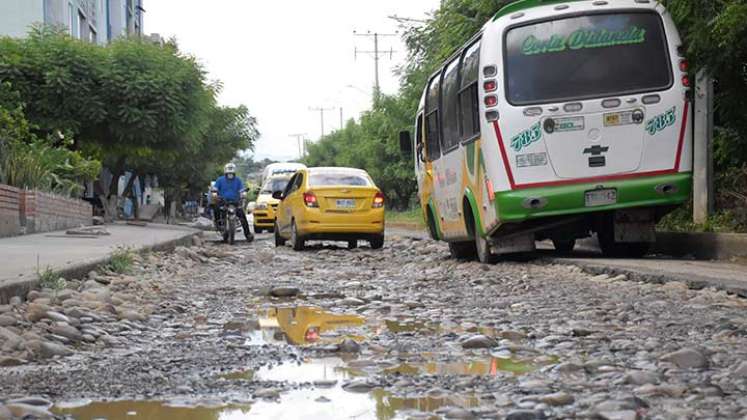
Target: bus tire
<point>612,248</point>
<point>564,246</point>
<point>463,250</point>
<point>432,225</point>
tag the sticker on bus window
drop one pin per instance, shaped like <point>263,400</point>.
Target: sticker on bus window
<point>531,159</point>
<point>525,138</point>
<point>569,124</point>
<point>582,39</point>
<point>661,121</point>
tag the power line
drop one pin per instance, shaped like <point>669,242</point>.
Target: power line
<point>376,53</point>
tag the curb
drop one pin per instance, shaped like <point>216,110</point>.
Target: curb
<point>22,287</point>
<point>405,225</point>
<point>702,245</point>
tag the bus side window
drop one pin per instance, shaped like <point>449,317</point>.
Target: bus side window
<point>419,146</point>
<point>450,106</point>
<point>432,122</point>
<point>469,107</point>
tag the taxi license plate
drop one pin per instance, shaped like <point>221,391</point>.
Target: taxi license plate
<point>345,203</point>
<point>601,197</point>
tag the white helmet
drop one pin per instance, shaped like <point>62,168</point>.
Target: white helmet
<point>230,168</point>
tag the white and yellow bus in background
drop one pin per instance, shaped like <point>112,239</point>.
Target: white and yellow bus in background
<point>559,119</point>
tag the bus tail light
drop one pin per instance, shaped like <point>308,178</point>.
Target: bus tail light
<point>490,86</point>
<point>491,100</point>
<point>684,66</point>
<point>310,199</point>
<point>378,201</point>
<point>685,81</point>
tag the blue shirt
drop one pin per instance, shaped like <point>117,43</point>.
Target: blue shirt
<point>229,189</point>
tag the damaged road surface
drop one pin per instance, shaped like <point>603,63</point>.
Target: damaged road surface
<point>219,332</point>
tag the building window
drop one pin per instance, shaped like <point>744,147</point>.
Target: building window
<point>71,19</point>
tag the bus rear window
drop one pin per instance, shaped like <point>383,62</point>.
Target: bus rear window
<point>329,179</point>
<point>584,57</point>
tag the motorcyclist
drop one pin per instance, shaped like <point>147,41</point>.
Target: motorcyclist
<point>230,188</point>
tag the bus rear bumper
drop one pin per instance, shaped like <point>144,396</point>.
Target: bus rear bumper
<point>534,203</point>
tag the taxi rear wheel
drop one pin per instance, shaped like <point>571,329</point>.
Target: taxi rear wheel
<point>377,242</point>
<point>352,244</point>
<point>298,242</point>
<point>257,229</point>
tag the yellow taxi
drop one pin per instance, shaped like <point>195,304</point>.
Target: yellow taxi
<point>264,209</point>
<point>333,204</point>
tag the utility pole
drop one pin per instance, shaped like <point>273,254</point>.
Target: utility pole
<point>321,110</point>
<point>341,122</point>
<point>703,196</point>
<point>300,138</point>
<point>376,53</point>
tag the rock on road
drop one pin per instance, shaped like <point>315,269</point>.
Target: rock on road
<point>405,329</point>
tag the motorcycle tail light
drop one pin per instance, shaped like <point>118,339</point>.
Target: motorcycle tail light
<point>378,200</point>
<point>310,200</point>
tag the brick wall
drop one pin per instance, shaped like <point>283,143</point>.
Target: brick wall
<point>10,207</point>
<point>43,212</point>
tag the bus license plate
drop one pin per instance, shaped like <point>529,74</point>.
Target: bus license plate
<point>345,203</point>
<point>601,197</point>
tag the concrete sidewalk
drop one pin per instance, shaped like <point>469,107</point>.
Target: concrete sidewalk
<point>71,255</point>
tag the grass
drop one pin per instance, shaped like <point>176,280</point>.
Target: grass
<point>723,221</point>
<point>121,261</point>
<point>413,216</point>
<point>49,279</point>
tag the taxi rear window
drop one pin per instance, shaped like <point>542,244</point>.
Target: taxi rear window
<point>347,179</point>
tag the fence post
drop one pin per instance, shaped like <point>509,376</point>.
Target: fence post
<point>703,148</point>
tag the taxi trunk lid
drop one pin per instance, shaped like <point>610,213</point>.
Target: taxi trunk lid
<point>345,199</point>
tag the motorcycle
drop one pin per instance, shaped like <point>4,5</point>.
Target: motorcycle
<point>227,220</point>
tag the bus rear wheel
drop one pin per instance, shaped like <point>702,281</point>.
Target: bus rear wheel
<point>484,252</point>
<point>462,250</point>
<point>564,246</point>
<point>612,248</point>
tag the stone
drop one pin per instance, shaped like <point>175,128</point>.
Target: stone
<point>34,401</point>
<point>479,342</point>
<point>6,361</point>
<point>557,399</point>
<point>349,345</point>
<point>9,339</point>
<point>197,240</point>
<point>46,349</point>
<point>458,413</point>
<point>641,377</point>
<point>23,411</point>
<point>526,415</point>
<point>15,301</point>
<point>284,291</point>
<point>4,309</point>
<point>351,301</point>
<point>36,311</point>
<point>325,383</point>
<point>359,385</point>
<point>686,358</point>
<point>131,315</point>
<point>5,414</point>
<point>268,393</point>
<point>7,321</point>
<point>67,331</point>
<point>619,415</point>
<point>740,371</point>
<point>58,317</point>
<point>513,335</point>
<point>322,399</point>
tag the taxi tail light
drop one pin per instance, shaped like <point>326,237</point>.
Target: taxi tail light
<point>310,199</point>
<point>378,200</point>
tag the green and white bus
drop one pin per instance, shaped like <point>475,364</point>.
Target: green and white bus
<point>559,119</point>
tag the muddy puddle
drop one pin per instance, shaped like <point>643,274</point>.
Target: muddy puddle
<point>339,387</point>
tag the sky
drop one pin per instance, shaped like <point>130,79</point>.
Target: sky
<point>282,58</point>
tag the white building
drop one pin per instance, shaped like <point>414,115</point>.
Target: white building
<point>97,21</point>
